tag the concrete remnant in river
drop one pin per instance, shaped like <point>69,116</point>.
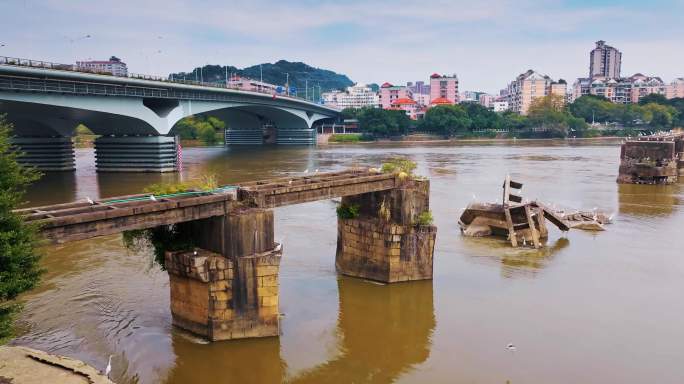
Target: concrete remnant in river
<point>654,159</point>
<point>523,223</point>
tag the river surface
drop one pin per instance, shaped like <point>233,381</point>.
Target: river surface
<point>588,308</point>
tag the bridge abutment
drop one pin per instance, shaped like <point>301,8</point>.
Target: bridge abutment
<point>136,154</point>
<point>228,289</point>
<point>386,242</point>
<point>46,153</point>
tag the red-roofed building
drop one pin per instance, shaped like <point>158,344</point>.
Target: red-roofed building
<point>390,93</point>
<point>444,87</point>
<point>441,101</point>
<point>407,105</point>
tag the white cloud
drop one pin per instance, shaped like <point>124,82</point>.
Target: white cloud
<point>486,43</point>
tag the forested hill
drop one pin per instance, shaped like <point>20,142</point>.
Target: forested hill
<point>274,73</point>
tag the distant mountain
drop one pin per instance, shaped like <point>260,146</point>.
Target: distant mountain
<point>301,75</point>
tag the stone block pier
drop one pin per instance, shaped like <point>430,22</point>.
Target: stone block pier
<point>655,159</point>
<point>226,286</point>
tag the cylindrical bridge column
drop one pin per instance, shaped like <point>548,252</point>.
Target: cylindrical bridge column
<point>46,153</point>
<point>136,154</point>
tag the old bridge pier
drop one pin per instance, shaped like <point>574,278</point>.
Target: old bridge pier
<point>227,286</point>
<point>654,159</point>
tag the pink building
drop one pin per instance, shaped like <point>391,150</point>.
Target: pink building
<point>245,84</point>
<point>487,100</point>
<point>390,93</point>
<point>676,88</point>
<point>443,86</point>
<point>407,105</point>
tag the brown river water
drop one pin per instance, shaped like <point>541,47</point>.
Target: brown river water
<point>588,308</point>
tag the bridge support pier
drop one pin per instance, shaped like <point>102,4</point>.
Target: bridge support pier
<point>136,154</point>
<point>287,136</point>
<point>385,242</point>
<point>46,153</point>
<point>228,289</point>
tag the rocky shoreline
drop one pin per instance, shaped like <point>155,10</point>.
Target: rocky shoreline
<point>22,365</point>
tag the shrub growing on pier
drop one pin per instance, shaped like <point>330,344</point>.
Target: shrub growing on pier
<point>168,237</point>
<point>19,269</point>
<point>350,211</point>
<point>399,165</point>
<point>424,219</point>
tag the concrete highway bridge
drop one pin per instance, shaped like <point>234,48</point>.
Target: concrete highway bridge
<point>135,115</point>
<point>226,287</point>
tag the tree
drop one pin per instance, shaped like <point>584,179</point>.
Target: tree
<point>446,119</point>
<point>593,108</point>
<point>513,121</point>
<point>19,270</point>
<point>654,98</point>
<point>482,117</point>
<point>351,113</point>
<point>678,104</point>
<point>381,122</point>
<point>186,129</point>
<point>659,116</point>
<point>198,127</point>
<point>550,114</point>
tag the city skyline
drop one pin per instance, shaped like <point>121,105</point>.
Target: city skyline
<point>368,41</point>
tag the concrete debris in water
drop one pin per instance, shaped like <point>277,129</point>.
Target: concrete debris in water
<point>524,222</point>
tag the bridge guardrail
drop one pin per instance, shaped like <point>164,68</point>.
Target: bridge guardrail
<point>15,61</point>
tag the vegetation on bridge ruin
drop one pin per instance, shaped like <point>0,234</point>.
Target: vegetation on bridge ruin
<point>168,237</point>
<point>19,269</point>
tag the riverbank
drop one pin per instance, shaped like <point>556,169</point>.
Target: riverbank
<point>23,365</point>
<point>408,140</point>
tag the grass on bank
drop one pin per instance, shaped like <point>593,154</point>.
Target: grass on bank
<point>349,138</point>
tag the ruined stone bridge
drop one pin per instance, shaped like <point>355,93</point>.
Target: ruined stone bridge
<point>654,159</point>
<point>227,286</point>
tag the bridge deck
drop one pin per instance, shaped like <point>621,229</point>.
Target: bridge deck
<point>61,223</point>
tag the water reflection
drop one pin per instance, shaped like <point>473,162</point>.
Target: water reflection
<point>60,185</point>
<point>515,262</point>
<point>526,261</point>
<point>237,361</point>
<point>648,200</point>
<point>384,330</point>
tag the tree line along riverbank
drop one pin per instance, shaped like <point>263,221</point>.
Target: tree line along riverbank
<point>548,117</point>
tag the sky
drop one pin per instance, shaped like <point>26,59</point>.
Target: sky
<point>485,42</point>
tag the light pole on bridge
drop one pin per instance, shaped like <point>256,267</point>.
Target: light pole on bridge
<point>287,83</point>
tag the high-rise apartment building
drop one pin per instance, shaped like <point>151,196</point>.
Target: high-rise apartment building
<point>529,86</point>
<point>604,61</point>
<point>444,86</point>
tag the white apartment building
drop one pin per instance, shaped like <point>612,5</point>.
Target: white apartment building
<point>114,66</point>
<point>356,96</point>
<point>500,106</point>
